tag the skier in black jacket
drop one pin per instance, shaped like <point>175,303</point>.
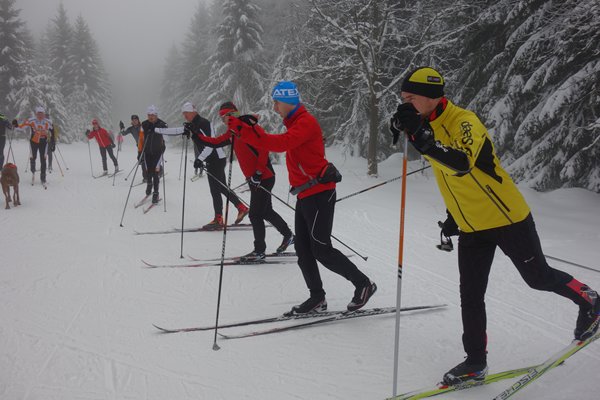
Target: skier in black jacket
<point>151,147</point>
<point>215,166</point>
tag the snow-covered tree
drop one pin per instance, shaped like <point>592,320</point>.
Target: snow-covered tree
<point>13,53</point>
<point>352,56</point>
<point>237,72</point>
<point>60,34</point>
<point>172,92</point>
<point>38,86</point>
<point>90,95</point>
<point>187,69</point>
<point>537,85</point>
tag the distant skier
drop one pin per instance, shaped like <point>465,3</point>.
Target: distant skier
<point>259,173</point>
<point>134,131</point>
<point>4,124</point>
<point>105,143</point>
<point>215,167</point>
<point>40,136</point>
<point>52,144</point>
<point>313,179</point>
<point>151,147</point>
<point>488,208</point>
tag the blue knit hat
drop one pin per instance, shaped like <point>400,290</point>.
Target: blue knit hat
<point>286,92</point>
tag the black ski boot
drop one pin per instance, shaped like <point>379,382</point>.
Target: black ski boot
<point>465,372</point>
<point>155,198</point>
<point>253,257</point>
<point>588,318</point>
<point>362,294</point>
<point>287,242</point>
<point>148,190</point>
<point>314,304</point>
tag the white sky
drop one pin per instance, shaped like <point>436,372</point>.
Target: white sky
<point>134,37</point>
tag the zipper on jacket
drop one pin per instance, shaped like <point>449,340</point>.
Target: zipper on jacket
<point>489,195</point>
<point>497,197</point>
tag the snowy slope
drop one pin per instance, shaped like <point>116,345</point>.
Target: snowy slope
<point>77,306</point>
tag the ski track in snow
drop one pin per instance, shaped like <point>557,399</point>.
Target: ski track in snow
<point>78,305</point>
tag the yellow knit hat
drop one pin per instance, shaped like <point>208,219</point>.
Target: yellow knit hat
<point>424,81</point>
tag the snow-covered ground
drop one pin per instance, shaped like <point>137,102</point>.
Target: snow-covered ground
<point>77,306</point>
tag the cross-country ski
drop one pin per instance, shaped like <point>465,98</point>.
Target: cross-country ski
<point>152,205</point>
<point>288,316</point>
<point>238,227</point>
<point>342,316</point>
<point>227,262</point>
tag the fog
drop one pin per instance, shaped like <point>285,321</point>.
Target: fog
<point>133,37</point>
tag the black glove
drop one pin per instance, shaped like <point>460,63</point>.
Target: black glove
<point>449,227</point>
<point>419,132</point>
<point>52,146</point>
<point>249,119</point>
<point>15,123</point>
<point>121,126</point>
<point>255,180</point>
<point>87,132</point>
<point>198,164</point>
<point>187,129</point>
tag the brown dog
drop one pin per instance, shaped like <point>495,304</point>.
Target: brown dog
<point>9,178</point>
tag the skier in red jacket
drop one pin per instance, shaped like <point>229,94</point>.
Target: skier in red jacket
<point>312,178</point>
<point>259,173</point>
<point>105,144</point>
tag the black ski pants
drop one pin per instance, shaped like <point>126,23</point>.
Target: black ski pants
<point>520,242</point>
<point>261,210</point>
<point>153,162</point>
<point>143,164</point>
<point>41,148</point>
<point>109,150</point>
<point>313,225</point>
<point>216,173</point>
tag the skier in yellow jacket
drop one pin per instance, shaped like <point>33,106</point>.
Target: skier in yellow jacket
<point>488,209</point>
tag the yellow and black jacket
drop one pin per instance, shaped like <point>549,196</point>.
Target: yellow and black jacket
<point>481,196</point>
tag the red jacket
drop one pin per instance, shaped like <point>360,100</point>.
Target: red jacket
<point>251,159</point>
<point>303,144</point>
<point>102,137</point>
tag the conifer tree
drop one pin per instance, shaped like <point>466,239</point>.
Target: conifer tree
<point>13,53</point>
<point>60,34</point>
<point>90,96</point>
<point>237,71</point>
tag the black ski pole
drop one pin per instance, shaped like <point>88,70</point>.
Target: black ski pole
<point>59,167</point>
<point>164,186</point>
<point>187,139</point>
<point>61,156</point>
<point>137,162</point>
<point>118,150</point>
<point>338,240</point>
<point>90,151</point>
<point>30,156</point>
<point>381,184</point>
<point>229,192</point>
<point>571,263</point>
<point>131,185</point>
<point>181,158</point>
<point>239,186</point>
<point>10,150</point>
